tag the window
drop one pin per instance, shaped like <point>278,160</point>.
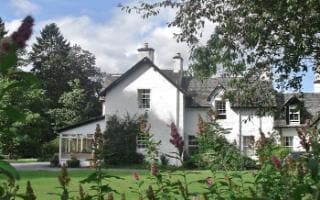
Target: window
<point>287,142</point>
<point>248,145</point>
<point>142,139</point>
<point>144,98</point>
<point>294,114</point>
<point>220,107</point>
<point>192,145</point>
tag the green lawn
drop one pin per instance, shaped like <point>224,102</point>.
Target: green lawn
<point>45,183</point>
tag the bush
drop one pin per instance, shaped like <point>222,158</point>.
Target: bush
<point>214,150</point>
<point>73,162</point>
<point>120,141</point>
<point>164,160</point>
<point>48,150</point>
<point>54,161</point>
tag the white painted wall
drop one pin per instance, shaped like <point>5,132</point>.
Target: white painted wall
<point>123,99</point>
<point>232,122</point>
<point>89,128</point>
<point>296,140</point>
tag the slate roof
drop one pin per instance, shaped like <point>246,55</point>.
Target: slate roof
<point>94,119</point>
<point>200,90</point>
<point>142,62</point>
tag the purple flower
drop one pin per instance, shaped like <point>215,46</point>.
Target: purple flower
<point>24,32</point>
<point>176,139</point>
<point>276,162</point>
<point>154,169</point>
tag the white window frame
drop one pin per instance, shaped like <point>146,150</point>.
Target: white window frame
<point>248,145</point>
<point>192,144</point>
<point>287,142</point>
<point>142,139</point>
<point>294,114</point>
<point>144,98</point>
<point>220,107</point>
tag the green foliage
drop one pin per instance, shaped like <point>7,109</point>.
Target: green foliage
<point>49,149</point>
<point>29,193</point>
<point>57,64</point>
<point>64,180</point>
<point>54,161</point>
<point>73,162</point>
<point>72,103</point>
<point>256,35</point>
<point>120,141</point>
<point>214,151</point>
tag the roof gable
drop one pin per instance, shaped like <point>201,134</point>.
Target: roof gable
<point>141,63</point>
<point>216,92</point>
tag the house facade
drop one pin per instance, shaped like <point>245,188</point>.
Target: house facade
<point>169,95</point>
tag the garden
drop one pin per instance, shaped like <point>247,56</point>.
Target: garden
<point>217,170</point>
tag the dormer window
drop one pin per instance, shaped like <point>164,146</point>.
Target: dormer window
<point>220,107</point>
<point>294,115</point>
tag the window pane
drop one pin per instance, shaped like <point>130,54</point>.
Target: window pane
<point>144,98</point>
<point>192,145</point>
<point>220,107</point>
<point>248,145</point>
<point>142,140</point>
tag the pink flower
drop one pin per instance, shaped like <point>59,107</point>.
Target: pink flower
<point>24,32</point>
<point>154,169</point>
<point>136,176</point>
<point>176,139</point>
<point>276,162</point>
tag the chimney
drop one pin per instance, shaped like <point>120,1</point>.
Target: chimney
<point>146,51</point>
<point>316,83</point>
<point>178,64</point>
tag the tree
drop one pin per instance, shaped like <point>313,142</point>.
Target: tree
<point>120,141</point>
<point>84,69</point>
<point>8,59</point>
<point>49,59</point>
<point>72,103</point>
<point>55,63</point>
<point>250,38</point>
<point>2,29</point>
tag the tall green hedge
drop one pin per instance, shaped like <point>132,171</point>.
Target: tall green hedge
<point>120,141</point>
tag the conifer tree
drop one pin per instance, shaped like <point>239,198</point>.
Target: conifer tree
<point>48,57</point>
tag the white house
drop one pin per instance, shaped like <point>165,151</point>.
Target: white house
<point>169,95</point>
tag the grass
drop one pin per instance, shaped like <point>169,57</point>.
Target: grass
<point>45,183</point>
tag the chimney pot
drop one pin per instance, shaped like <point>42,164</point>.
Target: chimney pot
<point>146,51</point>
<point>178,63</point>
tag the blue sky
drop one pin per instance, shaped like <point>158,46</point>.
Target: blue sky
<point>100,27</point>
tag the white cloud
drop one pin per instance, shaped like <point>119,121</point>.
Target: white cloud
<point>24,6</point>
<point>115,42</point>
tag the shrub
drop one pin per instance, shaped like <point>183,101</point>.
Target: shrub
<point>73,162</point>
<point>120,141</point>
<point>54,161</point>
<point>215,152</point>
<point>164,160</point>
<point>48,150</point>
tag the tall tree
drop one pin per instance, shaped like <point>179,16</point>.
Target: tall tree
<point>72,103</point>
<point>49,58</point>
<point>2,29</point>
<point>56,64</point>
<point>84,69</point>
<point>251,37</point>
